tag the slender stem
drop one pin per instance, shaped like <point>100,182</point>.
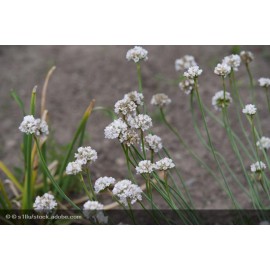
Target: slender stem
<point>90,196</point>
<point>139,75</point>
<point>88,174</point>
<point>143,147</point>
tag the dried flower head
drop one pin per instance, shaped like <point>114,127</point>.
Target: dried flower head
<point>264,82</point>
<point>249,109</point>
<point>232,61</point>
<point>247,57</point>
<point>86,155</point>
<point>129,137</point>
<point>103,183</point>
<point>257,167</point>
<point>126,191</point>
<point>184,63</point>
<point>160,100</point>
<point>222,70</point>
<point>125,107</point>
<point>74,168</point>
<point>115,129</point>
<point>140,121</point>
<point>193,72</point>
<point>45,203</point>
<point>219,101</point>
<point>187,86</point>
<point>153,142</point>
<point>145,166</point>
<point>30,125</point>
<point>137,54</point>
<point>164,164</point>
<point>136,97</point>
<point>263,143</point>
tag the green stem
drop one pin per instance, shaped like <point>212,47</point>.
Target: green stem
<point>90,196</point>
<point>139,75</point>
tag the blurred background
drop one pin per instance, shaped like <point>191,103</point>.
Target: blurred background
<point>103,73</point>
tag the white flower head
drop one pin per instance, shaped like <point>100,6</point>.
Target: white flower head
<point>45,203</point>
<point>153,142</point>
<point>103,183</point>
<point>249,109</point>
<point>129,137</point>
<point>113,130</point>
<point>233,61</point>
<point>126,191</point>
<point>93,206</point>
<point>145,166</point>
<point>140,121</point>
<point>164,164</point>
<point>219,101</point>
<point>222,70</point>
<point>193,72</point>
<point>247,57</point>
<point>264,82</point>
<point>125,107</point>
<point>74,168</point>
<point>257,167</point>
<point>263,143</point>
<point>93,209</point>
<point>86,155</point>
<point>160,100</point>
<point>135,97</point>
<point>137,54</point>
<point>185,62</point>
<point>187,86</point>
<point>30,125</point>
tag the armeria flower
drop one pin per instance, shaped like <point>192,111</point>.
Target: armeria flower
<point>30,125</point>
<point>222,70</point>
<point>160,100</point>
<point>187,86</point>
<point>126,191</point>
<point>232,61</point>
<point>263,143</point>
<point>153,142</point>
<point>193,72</point>
<point>249,109</point>
<point>93,205</point>
<point>164,164</point>
<point>140,121</point>
<point>92,209</point>
<point>264,82</point>
<point>125,106</point>
<point>184,63</point>
<point>247,57</point>
<point>136,97</point>
<point>257,167</point>
<point>86,155</point>
<point>145,166</point>
<point>45,203</point>
<point>74,168</point>
<point>137,54</point>
<point>129,137</point>
<point>103,183</point>
<point>113,130</point>
<point>219,101</point>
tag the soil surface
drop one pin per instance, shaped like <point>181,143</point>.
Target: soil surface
<point>102,73</point>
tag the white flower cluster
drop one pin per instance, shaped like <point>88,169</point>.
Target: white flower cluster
<point>93,205</point>
<point>246,57</point>
<point>257,167</point>
<point>126,191</point>
<point>222,70</point>
<point>153,142</point>
<point>193,72</point>
<point>115,129</point>
<point>185,62</point>
<point>137,54</point>
<point>140,121</point>
<point>30,125</point>
<point>264,82</point>
<point>263,143</point>
<point>187,86</point>
<point>103,183</point>
<point>125,107</point>
<point>134,96</point>
<point>93,209</point>
<point>219,101</point>
<point>145,166</point>
<point>85,155</point>
<point>249,109</point>
<point>160,100</point>
<point>164,164</point>
<point>44,203</point>
<point>233,61</point>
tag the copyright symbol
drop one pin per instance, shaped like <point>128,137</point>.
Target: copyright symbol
<point>7,216</point>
